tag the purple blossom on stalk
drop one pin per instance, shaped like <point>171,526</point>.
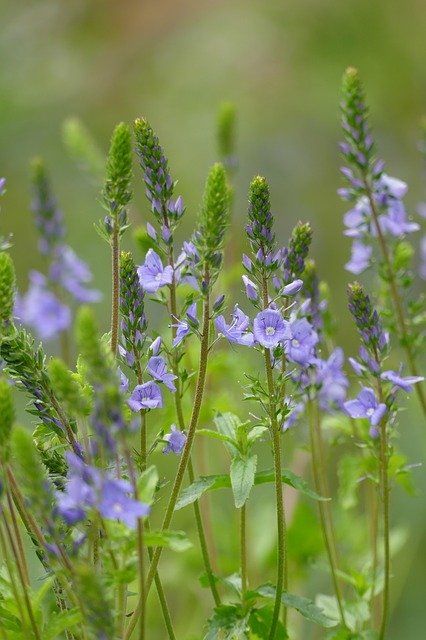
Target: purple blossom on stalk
<point>48,218</point>
<point>2,185</point>
<point>236,331</point>
<point>366,405</point>
<point>41,310</point>
<point>292,288</point>
<point>300,347</point>
<point>133,321</point>
<point>270,329</point>
<point>406,384</point>
<point>369,325</point>
<point>296,410</point>
<point>331,381</point>
<point>145,396</point>
<point>251,288</point>
<point>157,368</point>
<point>294,256</point>
<point>360,258</point>
<point>175,440</point>
<point>152,274</point>
<point>182,330</point>
<point>155,345</point>
<point>87,488</point>
<point>73,274</point>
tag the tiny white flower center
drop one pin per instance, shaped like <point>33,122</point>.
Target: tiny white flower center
<point>117,508</point>
<point>295,343</point>
<point>158,276</point>
<point>370,411</point>
<point>270,331</point>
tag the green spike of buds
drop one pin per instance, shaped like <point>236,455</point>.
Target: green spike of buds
<point>7,292</point>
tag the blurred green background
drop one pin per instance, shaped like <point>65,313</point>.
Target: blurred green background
<point>280,62</point>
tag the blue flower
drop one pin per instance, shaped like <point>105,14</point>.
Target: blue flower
<point>175,440</point>
<point>403,383</point>
<point>73,274</point>
<point>152,274</point>
<point>40,309</point>
<point>366,406</point>
<point>270,329</point>
<point>145,396</point>
<point>360,258</point>
<point>331,380</point>
<point>301,346</point>
<point>115,503</point>
<point>157,368</point>
<point>236,331</point>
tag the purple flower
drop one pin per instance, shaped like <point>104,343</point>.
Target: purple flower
<point>295,413</point>
<point>360,258</point>
<point>152,274</point>
<point>395,221</point>
<point>182,329</point>
<point>403,383</point>
<point>366,406</point>
<point>331,380</point>
<point>40,309</point>
<point>251,288</point>
<point>175,440</point>
<point>2,185</point>
<point>157,368</point>
<point>155,345</point>
<point>292,288</point>
<point>270,328</point>
<point>146,396</point>
<point>301,346</point>
<point>115,503</point>
<point>124,381</point>
<point>236,330</point>
<point>73,274</point>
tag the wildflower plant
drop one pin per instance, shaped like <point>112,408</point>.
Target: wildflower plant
<point>257,383</point>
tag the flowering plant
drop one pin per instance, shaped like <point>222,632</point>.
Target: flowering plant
<point>85,494</point>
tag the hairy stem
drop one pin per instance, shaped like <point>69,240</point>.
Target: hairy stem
<point>204,350</point>
<point>243,550</point>
<point>115,255</point>
<point>282,578</point>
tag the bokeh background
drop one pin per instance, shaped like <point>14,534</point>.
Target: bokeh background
<point>280,62</point>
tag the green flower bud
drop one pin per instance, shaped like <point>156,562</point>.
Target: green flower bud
<point>226,130</point>
<point>83,149</point>
<point>98,607</point>
<point>94,351</point>
<point>31,473</point>
<point>117,192</point>
<point>67,388</point>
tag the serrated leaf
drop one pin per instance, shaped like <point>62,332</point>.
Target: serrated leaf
<point>256,433</point>
<point>210,483</point>
<point>216,436</point>
<point>304,606</point>
<point>59,622</point>
<point>227,623</point>
<point>242,478</point>
<point>260,624</point>
<point>175,540</point>
<point>226,424</point>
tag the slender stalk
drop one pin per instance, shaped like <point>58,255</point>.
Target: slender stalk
<point>384,485</point>
<point>115,286</point>
<point>243,550</point>
<point>18,538</point>
<point>204,350</point>
<point>181,421</point>
<point>145,523</point>
<point>9,566</point>
<point>396,298</point>
<point>282,576</point>
<point>325,517</point>
<point>21,573</point>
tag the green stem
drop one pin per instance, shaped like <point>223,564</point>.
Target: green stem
<point>282,576</point>
<point>204,350</point>
<point>13,585</point>
<point>115,286</point>
<point>397,302</point>
<point>321,487</point>
<point>243,550</point>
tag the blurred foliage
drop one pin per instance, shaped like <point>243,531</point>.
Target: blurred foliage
<point>175,61</point>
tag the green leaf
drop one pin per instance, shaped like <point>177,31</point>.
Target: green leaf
<point>147,484</point>
<point>227,623</point>
<point>227,424</point>
<point>217,436</point>
<point>260,624</point>
<point>304,606</point>
<point>255,433</point>
<point>210,483</point>
<point>242,478</point>
<point>175,540</point>
<point>9,621</point>
<point>290,478</point>
<point>59,622</point>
